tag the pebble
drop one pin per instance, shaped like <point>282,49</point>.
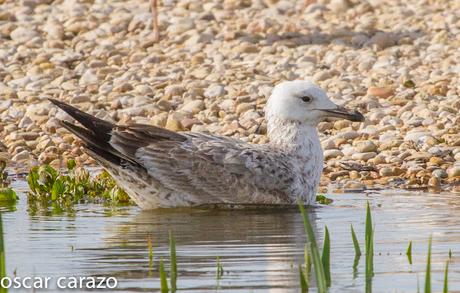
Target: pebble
<point>366,146</point>
<point>363,156</point>
<point>173,90</point>
<point>214,91</point>
<point>329,154</point>
<point>215,66</point>
<point>193,107</point>
<point>454,171</point>
<point>21,157</point>
<point>381,92</point>
<point>243,107</point>
<point>174,122</point>
<point>23,34</point>
<point>439,173</point>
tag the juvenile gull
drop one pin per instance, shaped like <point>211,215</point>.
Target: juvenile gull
<point>161,168</point>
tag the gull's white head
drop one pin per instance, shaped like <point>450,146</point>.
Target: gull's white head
<point>305,102</point>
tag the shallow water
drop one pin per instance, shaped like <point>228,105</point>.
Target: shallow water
<point>259,249</point>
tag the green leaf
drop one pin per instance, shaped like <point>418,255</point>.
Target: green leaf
<point>369,237</point>
<point>409,252</point>
<point>57,190</point>
<point>150,247</point>
<point>163,278</point>
<point>303,280</point>
<point>445,288</point>
<point>71,164</point>
<point>307,259</point>
<point>173,273</point>
<point>326,257</point>
<point>322,199</point>
<point>428,269</point>
<point>314,252</point>
<point>219,269</point>
<point>8,194</point>
<point>355,241</point>
<point>32,179</point>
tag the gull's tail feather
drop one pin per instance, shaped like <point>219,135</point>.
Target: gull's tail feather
<point>95,134</point>
<point>94,124</point>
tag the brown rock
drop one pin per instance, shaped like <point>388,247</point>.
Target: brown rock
<point>381,92</point>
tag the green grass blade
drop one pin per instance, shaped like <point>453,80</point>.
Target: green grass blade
<point>369,237</point>
<point>314,252</point>
<point>355,241</point>
<point>428,269</point>
<point>307,259</point>
<point>150,248</point>
<point>219,269</point>
<point>303,281</point>
<point>173,273</point>
<point>355,266</point>
<point>163,278</point>
<point>2,255</point>
<point>409,252</point>
<point>326,257</point>
<point>445,288</point>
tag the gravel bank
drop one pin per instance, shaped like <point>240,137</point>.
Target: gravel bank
<point>397,62</point>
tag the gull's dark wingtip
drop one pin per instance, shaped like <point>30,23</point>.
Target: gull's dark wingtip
<point>358,117</point>
<point>54,101</point>
<point>59,104</point>
<point>64,106</point>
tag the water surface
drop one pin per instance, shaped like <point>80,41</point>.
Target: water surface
<point>259,249</point>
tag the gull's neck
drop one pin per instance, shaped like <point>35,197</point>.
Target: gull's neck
<point>301,143</point>
<point>293,137</point>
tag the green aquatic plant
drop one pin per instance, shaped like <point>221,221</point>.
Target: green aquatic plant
<point>303,280</point>
<point>322,199</point>
<point>445,287</point>
<point>63,189</point>
<point>314,252</point>
<point>369,238</point>
<point>307,260</point>
<point>150,248</point>
<point>357,251</point>
<point>163,278</point>
<point>409,252</point>
<point>326,257</point>
<point>7,194</point>
<point>173,260</point>
<point>428,269</point>
<point>219,269</point>
<point>355,242</point>
<point>304,272</point>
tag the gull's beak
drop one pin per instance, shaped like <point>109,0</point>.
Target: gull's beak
<point>341,112</point>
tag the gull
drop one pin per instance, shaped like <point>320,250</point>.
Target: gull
<point>159,168</point>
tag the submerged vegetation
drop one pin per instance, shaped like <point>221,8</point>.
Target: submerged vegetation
<point>322,199</point>
<point>7,194</point>
<point>74,185</point>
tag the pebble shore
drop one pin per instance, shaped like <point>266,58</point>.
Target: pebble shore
<point>397,62</point>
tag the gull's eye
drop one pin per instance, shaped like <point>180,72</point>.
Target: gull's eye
<point>306,99</point>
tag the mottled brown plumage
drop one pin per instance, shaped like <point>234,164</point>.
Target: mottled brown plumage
<point>161,168</point>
